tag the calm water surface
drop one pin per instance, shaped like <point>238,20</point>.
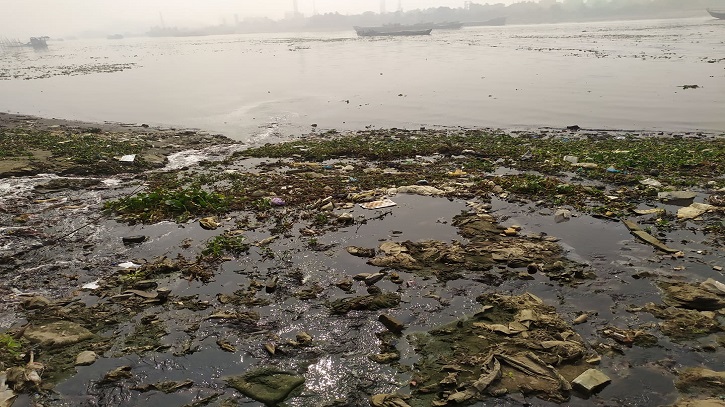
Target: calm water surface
<point>613,75</point>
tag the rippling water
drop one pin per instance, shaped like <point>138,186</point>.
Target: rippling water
<point>614,75</point>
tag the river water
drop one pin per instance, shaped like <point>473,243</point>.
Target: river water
<point>611,75</point>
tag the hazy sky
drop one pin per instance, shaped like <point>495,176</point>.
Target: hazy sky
<point>24,18</point>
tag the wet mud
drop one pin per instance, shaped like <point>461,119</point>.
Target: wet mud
<point>497,272</point>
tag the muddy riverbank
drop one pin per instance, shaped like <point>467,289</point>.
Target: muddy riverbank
<point>390,267</point>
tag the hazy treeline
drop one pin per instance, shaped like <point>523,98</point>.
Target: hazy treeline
<point>544,11</point>
<point>524,12</point>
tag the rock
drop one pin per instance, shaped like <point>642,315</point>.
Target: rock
<point>591,381</point>
<point>702,297</point>
<point>345,284</point>
<point>708,402</point>
<point>346,218</point>
<point>327,207</point>
<point>268,385</point>
<point>366,302</point>
<point>677,197</point>
<point>581,319</point>
<point>271,285</point>
<point>384,358</point>
<point>123,372</point>
<point>373,278</point>
<point>360,251</point>
<point>562,215</point>
<point>86,358</point>
<point>133,239</point>
<point>36,302</point>
<point>388,400</point>
<point>510,232</point>
<point>59,333</point>
<point>391,323</point>
<point>595,360</point>
<point>209,223</point>
<point>705,380</point>
<point>303,338</point>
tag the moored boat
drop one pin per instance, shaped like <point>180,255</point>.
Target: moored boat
<point>492,22</point>
<point>395,31</point>
<point>717,13</point>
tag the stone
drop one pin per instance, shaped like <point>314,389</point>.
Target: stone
<point>360,251</point>
<point>59,333</point>
<point>677,197</point>
<point>209,223</point>
<point>562,215</point>
<point>268,385</point>
<point>119,373</point>
<point>133,239</point>
<point>36,302</point>
<point>373,278</point>
<point>86,358</point>
<point>707,402</point>
<point>392,324</point>
<point>591,381</point>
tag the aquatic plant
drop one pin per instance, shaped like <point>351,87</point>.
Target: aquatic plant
<point>10,345</point>
<point>161,203</point>
<point>218,246</point>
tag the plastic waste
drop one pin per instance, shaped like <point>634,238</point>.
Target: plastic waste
<point>651,182</point>
<point>129,158</point>
<point>93,285</point>
<point>276,201</point>
<point>571,159</point>
<point>129,265</point>
<point>383,203</point>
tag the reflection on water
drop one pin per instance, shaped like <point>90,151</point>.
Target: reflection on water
<point>598,75</point>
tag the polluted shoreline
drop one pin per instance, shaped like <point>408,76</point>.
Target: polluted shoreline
<point>383,267</point>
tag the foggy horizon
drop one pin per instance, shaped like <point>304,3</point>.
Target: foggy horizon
<point>72,17</point>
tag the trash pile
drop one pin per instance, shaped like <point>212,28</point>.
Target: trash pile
<point>513,344</point>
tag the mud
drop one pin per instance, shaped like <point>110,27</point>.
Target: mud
<point>472,295</point>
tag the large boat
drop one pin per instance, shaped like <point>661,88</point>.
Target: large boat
<point>492,22</point>
<point>449,25</point>
<point>717,13</point>
<point>388,31</point>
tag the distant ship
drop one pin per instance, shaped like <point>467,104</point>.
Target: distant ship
<point>115,37</point>
<point>453,25</point>
<point>492,22</point>
<point>394,30</point>
<point>717,13</point>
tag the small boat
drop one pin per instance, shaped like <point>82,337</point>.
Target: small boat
<point>717,13</point>
<point>492,22</point>
<point>392,31</point>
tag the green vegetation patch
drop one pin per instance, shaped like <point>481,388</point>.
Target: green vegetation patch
<point>161,203</point>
